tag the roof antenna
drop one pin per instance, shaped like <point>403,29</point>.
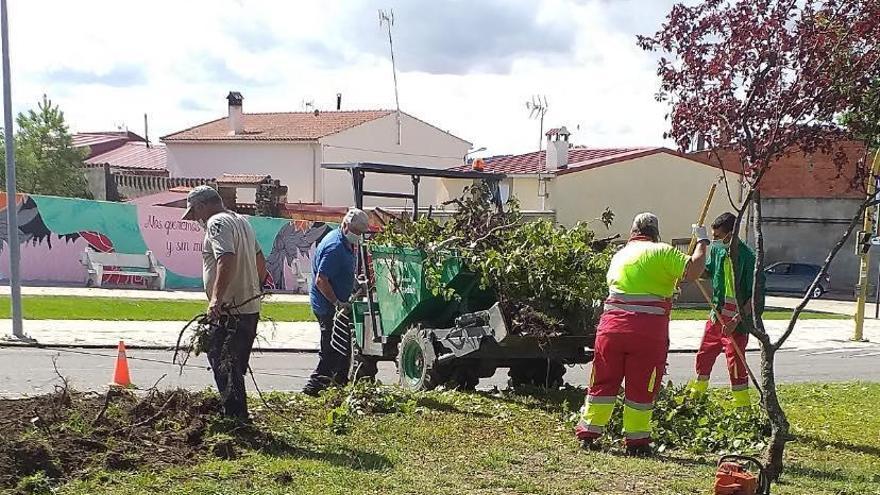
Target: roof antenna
<point>387,19</point>
<point>537,110</point>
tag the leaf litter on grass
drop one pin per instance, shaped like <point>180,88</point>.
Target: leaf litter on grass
<point>67,434</point>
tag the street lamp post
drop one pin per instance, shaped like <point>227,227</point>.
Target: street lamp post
<point>11,204</point>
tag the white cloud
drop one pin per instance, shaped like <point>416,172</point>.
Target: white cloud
<point>467,67</point>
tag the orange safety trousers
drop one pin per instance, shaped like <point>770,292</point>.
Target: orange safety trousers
<point>632,348</point>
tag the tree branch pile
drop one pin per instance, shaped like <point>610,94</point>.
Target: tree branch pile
<point>547,278</point>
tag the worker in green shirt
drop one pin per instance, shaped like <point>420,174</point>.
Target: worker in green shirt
<point>730,319</point>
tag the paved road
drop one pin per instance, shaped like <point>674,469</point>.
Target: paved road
<point>28,371</point>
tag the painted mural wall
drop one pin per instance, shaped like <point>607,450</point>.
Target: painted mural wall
<point>55,232</point>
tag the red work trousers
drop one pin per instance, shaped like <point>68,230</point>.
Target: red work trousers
<point>630,347</point>
<point>714,342</point>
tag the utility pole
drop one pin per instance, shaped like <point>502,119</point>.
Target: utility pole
<point>864,253</point>
<point>387,19</point>
<point>11,204</point>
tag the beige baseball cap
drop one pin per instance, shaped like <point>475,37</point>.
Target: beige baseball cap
<point>198,196</point>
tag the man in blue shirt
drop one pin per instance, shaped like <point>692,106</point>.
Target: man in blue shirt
<point>333,274</point>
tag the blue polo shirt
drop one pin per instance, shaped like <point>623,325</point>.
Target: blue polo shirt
<point>335,259</point>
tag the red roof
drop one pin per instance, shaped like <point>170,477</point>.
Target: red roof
<point>132,156</point>
<point>81,139</point>
<point>579,158</point>
<point>288,126</point>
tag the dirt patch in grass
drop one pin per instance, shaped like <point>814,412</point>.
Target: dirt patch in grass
<point>67,433</point>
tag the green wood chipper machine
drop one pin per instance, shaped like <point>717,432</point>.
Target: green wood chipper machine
<point>437,340</point>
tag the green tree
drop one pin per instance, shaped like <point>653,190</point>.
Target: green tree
<point>864,119</point>
<point>45,160</point>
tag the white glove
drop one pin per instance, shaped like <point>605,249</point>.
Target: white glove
<point>701,233</point>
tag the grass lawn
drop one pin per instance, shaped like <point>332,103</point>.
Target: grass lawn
<point>453,443</point>
<point>113,309</point>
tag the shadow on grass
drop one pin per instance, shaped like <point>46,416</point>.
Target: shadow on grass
<point>549,400</point>
<point>273,445</point>
<point>685,461</point>
<point>817,474</point>
<point>435,405</point>
<point>871,450</point>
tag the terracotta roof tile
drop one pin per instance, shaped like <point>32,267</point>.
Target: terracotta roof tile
<point>82,139</point>
<point>578,158</point>
<point>134,156</point>
<point>289,126</point>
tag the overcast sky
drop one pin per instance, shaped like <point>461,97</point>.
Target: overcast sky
<point>467,66</point>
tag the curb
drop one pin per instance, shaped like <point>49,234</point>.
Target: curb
<point>36,345</point>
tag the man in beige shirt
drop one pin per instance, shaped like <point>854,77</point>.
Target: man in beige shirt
<point>233,269</point>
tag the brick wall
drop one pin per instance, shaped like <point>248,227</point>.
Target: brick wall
<point>798,175</point>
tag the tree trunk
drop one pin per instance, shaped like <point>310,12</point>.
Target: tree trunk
<point>779,427</point>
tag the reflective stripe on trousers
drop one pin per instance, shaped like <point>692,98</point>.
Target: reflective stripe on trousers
<point>730,308</point>
<point>596,414</point>
<point>638,303</point>
<point>637,420</point>
<point>636,308</point>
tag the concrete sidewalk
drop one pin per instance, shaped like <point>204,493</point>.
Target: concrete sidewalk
<point>177,295</point>
<point>685,336</point>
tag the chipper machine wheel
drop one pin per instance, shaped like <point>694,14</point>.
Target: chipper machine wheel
<point>417,363</point>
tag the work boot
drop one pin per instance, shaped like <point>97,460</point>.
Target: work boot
<point>590,444</point>
<point>642,450</point>
<point>316,385</point>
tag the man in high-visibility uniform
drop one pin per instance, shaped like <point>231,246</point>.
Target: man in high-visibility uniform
<point>730,320</point>
<point>633,334</point>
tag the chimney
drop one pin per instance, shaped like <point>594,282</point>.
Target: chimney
<point>338,101</point>
<point>236,115</point>
<point>557,149</point>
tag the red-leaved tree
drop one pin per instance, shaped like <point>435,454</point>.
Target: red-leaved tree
<point>758,79</point>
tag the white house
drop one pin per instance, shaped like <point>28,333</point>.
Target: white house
<point>290,146</point>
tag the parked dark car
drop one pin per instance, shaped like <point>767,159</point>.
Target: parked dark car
<point>795,278</point>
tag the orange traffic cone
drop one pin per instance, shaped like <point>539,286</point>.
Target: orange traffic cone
<point>121,378</point>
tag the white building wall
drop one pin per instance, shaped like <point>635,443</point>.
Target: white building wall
<point>297,164</point>
<point>290,162</point>
<point>421,145</point>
